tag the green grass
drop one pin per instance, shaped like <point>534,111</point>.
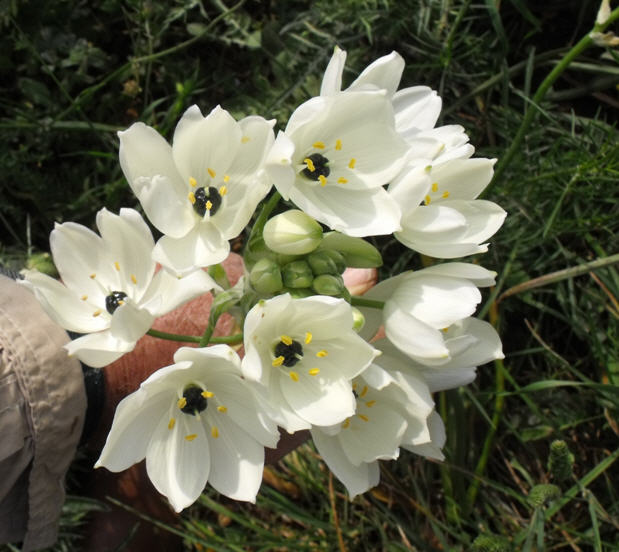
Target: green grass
<point>75,73</point>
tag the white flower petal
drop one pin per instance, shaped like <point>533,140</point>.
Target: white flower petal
<point>438,438</point>
<point>135,420</point>
<point>357,479</point>
<point>479,275</point>
<point>278,164</point>
<point>129,322</point>
<point>179,467</point>
<point>385,72</point>
<point>202,246</point>
<point>416,108</point>
<point>463,178</point>
<point>332,79</point>
<point>237,460</point>
<point>98,349</point>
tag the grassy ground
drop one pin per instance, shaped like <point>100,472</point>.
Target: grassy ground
<point>74,73</point>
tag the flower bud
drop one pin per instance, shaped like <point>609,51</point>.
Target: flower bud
<point>297,274</point>
<point>357,252</point>
<point>292,233</point>
<point>326,261</point>
<point>265,277</point>
<point>329,284</point>
<point>358,320</point>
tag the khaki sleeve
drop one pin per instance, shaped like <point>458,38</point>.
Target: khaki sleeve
<point>42,409</point>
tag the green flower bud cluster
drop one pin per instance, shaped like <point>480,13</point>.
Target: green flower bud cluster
<point>297,258</point>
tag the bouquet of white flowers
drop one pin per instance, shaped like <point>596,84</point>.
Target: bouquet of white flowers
<point>357,371</point>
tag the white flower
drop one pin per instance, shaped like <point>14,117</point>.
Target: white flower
<point>201,191</point>
<point>304,352</point>
<point>441,216</point>
<point>420,305</point>
<point>194,421</point>
<point>110,291</point>
<point>452,223</point>
<point>394,408</point>
<point>334,158</point>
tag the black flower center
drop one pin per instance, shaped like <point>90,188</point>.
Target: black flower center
<point>114,300</point>
<point>195,400</point>
<point>320,165</point>
<point>292,353</point>
<point>207,199</point>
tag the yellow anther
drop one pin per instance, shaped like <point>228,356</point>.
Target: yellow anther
<point>342,180</point>
<point>286,339</point>
<point>211,172</point>
<point>338,145</point>
<point>322,354</point>
<point>191,197</point>
<point>435,187</point>
<point>182,402</point>
<point>370,404</point>
<point>354,386</point>
<point>171,423</point>
<point>364,391</point>
<point>191,437</point>
<point>346,423</point>
<point>207,394</point>
<point>294,376</point>
<point>364,417</point>
<point>193,182</point>
<point>117,266</point>
<point>215,432</point>
<point>427,200</point>
<point>308,338</point>
<point>121,302</point>
<point>222,409</point>
<point>245,139</point>
<point>93,276</point>
<point>226,178</point>
<point>278,361</point>
<point>313,371</point>
<point>352,163</point>
<point>310,164</point>
<point>318,145</point>
<point>134,279</point>
<point>208,205</point>
<point>223,191</point>
<point>323,180</point>
<point>444,330</point>
<point>97,313</point>
<point>84,297</point>
<point>445,194</point>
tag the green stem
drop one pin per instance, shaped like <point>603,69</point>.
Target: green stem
<point>227,339</point>
<point>267,209</point>
<point>356,301</point>
<point>578,49</point>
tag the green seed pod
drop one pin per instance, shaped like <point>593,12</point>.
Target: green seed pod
<point>326,261</point>
<point>357,252</point>
<point>265,277</point>
<point>541,495</point>
<point>560,461</point>
<point>329,284</point>
<point>297,274</point>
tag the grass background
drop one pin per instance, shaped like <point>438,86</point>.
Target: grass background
<point>74,72</point>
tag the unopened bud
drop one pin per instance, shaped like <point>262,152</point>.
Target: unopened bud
<point>326,261</point>
<point>358,320</point>
<point>356,251</point>
<point>297,274</point>
<point>293,233</point>
<point>541,495</point>
<point>265,277</point>
<point>560,460</point>
<point>329,284</point>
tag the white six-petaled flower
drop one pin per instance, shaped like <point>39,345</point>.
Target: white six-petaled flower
<point>334,158</point>
<point>304,352</point>
<point>201,191</point>
<point>194,421</point>
<point>110,290</point>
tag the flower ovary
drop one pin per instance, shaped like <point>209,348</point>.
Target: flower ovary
<point>114,300</point>
<point>320,166</point>
<point>195,400</point>
<point>206,199</point>
<point>291,353</point>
